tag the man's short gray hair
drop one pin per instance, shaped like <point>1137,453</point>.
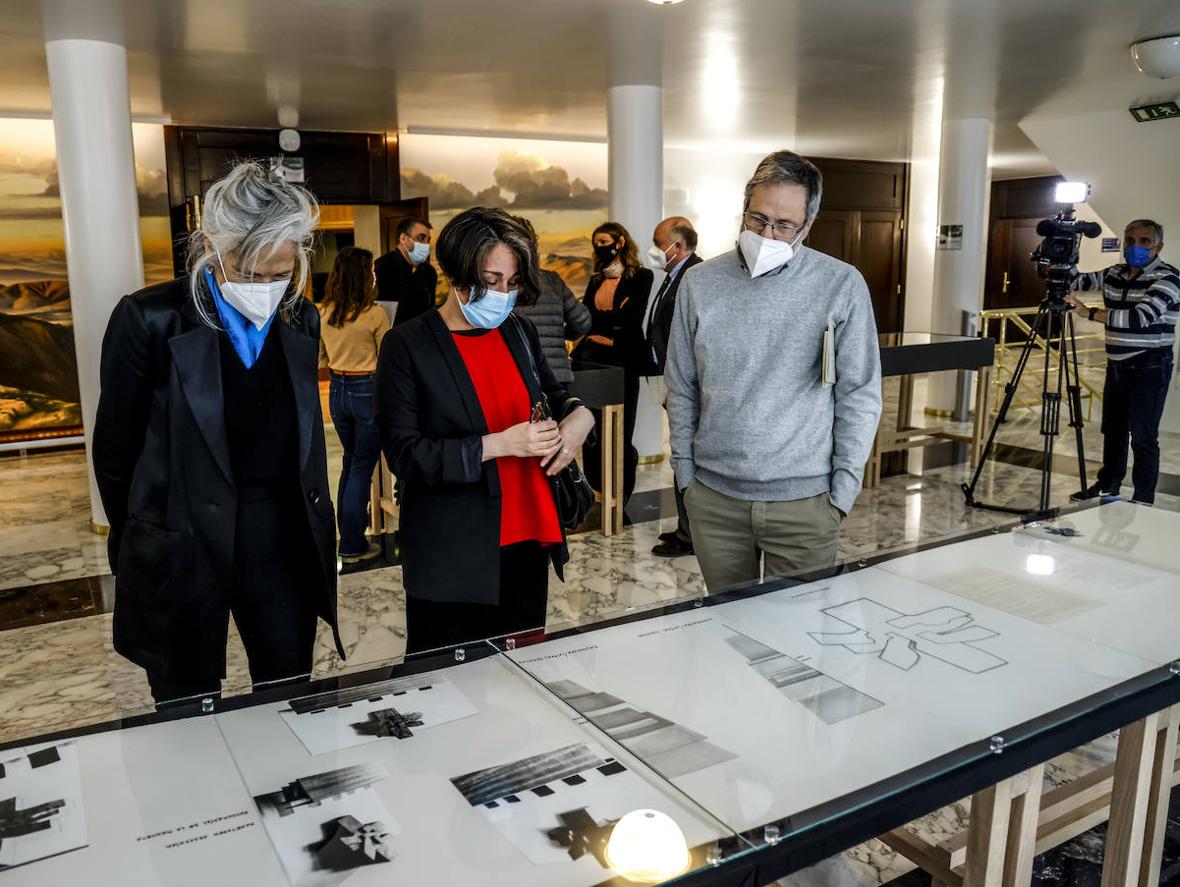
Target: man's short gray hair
<point>787,167</point>
<point>250,214</point>
<point>1147,223</point>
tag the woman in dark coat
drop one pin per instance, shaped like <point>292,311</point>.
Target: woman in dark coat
<point>617,298</point>
<point>558,316</point>
<point>209,450</point>
<point>457,396</point>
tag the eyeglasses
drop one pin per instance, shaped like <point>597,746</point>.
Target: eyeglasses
<point>758,223</point>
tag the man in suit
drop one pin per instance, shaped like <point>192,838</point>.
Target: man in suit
<point>405,275</point>
<point>674,242</point>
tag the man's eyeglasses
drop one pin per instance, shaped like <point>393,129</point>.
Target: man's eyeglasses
<point>758,223</point>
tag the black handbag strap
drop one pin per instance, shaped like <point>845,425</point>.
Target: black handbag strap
<point>528,349</point>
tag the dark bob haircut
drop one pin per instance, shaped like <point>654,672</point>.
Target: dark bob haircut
<point>468,239</point>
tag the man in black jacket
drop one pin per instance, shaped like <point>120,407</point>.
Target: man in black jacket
<point>405,275</point>
<point>674,243</point>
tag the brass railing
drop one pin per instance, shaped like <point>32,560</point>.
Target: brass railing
<point>1028,394</point>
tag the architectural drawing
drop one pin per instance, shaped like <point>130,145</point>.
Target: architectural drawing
<point>671,749</point>
<point>825,697</point>
<point>947,634</point>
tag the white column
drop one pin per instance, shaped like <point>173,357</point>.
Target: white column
<point>635,171</point>
<point>96,173</point>
<point>963,197</point>
<point>635,176</point>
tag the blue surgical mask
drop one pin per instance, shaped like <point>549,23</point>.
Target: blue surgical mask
<point>419,253</point>
<point>489,310</point>
<point>1137,256</point>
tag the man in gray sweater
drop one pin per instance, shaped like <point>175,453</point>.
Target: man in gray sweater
<point>774,388</point>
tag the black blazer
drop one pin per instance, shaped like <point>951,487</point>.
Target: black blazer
<point>398,281</point>
<point>162,464</point>
<point>431,427</point>
<point>623,324</point>
<point>659,328</point>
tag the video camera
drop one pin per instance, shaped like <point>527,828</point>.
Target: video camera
<point>1057,254</point>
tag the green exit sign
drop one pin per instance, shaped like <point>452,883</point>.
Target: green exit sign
<point>1161,111</point>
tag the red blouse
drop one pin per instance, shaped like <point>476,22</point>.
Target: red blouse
<point>527,509</point>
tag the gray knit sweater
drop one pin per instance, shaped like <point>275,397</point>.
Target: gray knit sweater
<point>749,415</point>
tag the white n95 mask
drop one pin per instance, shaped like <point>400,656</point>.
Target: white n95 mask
<point>256,302</point>
<point>763,254</point>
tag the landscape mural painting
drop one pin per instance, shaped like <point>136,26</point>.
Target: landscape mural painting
<point>559,186</point>
<point>38,368</point>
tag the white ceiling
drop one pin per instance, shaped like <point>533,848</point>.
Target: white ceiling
<point>846,78</point>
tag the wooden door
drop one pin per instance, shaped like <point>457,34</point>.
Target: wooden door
<point>871,240</point>
<point>878,257</point>
<point>833,233</point>
<point>1012,280</point>
<point>393,213</point>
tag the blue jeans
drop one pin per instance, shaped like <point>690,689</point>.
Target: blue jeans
<point>350,401</point>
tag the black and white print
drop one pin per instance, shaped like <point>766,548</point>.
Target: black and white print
<point>398,709</point>
<point>830,700</point>
<point>669,748</point>
<point>560,806</point>
<point>41,813</point>
<point>326,826</point>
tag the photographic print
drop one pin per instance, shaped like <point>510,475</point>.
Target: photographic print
<point>327,826</point>
<point>670,748</point>
<point>39,377</point>
<point>41,812</point>
<point>560,807</point>
<point>399,709</point>
<point>830,700</point>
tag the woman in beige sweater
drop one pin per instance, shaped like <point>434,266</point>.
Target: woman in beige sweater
<point>351,331</point>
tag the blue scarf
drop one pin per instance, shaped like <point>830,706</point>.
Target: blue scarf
<point>246,338</point>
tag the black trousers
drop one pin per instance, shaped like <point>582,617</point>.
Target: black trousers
<point>1132,406</point>
<point>592,452</point>
<point>272,596</point>
<point>524,597</point>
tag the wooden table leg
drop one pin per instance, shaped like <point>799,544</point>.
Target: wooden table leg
<point>1002,836</point>
<point>983,390</point>
<point>619,444</point>
<point>1163,767</point>
<point>612,469</point>
<point>1139,801</point>
<point>1022,831</point>
<point>987,836</point>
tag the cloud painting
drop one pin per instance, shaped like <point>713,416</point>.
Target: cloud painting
<point>39,376</point>
<point>559,186</point>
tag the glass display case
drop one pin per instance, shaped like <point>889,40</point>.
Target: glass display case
<point>727,740</point>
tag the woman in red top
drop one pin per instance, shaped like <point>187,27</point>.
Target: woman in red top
<point>455,395</point>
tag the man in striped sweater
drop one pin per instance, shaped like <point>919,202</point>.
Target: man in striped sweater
<point>1141,299</point>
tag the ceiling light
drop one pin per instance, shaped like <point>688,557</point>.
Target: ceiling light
<point>1158,57</point>
<point>664,2</point>
<point>289,140</point>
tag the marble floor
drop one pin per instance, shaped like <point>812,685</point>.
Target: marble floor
<point>59,670</point>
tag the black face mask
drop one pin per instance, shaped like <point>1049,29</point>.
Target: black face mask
<point>604,255</point>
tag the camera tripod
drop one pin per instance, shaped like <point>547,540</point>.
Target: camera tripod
<point>1054,323</point>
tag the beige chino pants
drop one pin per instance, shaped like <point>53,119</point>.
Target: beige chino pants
<point>733,537</point>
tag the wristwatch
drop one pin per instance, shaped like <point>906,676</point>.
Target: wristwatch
<point>1093,311</point>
